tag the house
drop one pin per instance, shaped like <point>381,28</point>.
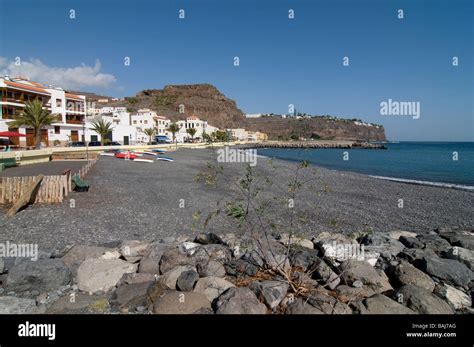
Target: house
<point>71,109</point>
<point>201,127</point>
<point>238,134</point>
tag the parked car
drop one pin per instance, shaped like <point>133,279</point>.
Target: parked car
<point>95,143</point>
<point>162,139</point>
<point>113,143</point>
<point>76,144</point>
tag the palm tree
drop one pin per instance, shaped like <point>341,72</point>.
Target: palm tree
<point>103,128</point>
<point>191,132</point>
<point>173,129</point>
<point>150,132</point>
<point>36,117</point>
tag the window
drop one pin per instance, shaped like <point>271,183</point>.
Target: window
<point>145,121</point>
<point>134,122</point>
<point>57,129</point>
<point>59,103</point>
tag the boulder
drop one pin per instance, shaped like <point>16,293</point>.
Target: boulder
<point>381,244</point>
<point>74,303</point>
<point>208,238</point>
<point>304,258</point>
<point>187,280</point>
<point>78,254</point>
<point>457,298</point>
<point>96,275</point>
<point>136,277</point>
<point>397,233</point>
<point>181,303</point>
<point>212,287</point>
<point>449,270</point>
<point>134,250</point>
<point>212,268</point>
<point>212,252</point>
<point>131,296</point>
<point>405,273</point>
<point>189,248</point>
<point>271,292</point>
<point>239,300</point>
<point>287,240</point>
<point>422,301</point>
<point>170,277</point>
<point>43,275</point>
<point>380,304</point>
<point>460,239</point>
<point>411,242</point>
<point>324,273</point>
<point>240,268</point>
<point>435,243</point>
<point>14,305</point>
<point>351,294</point>
<point>328,304</point>
<point>415,254</point>
<point>150,263</point>
<point>463,255</point>
<point>300,306</point>
<point>337,247</point>
<point>172,258</point>
<point>355,270</point>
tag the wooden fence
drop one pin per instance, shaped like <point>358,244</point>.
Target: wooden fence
<point>53,189</point>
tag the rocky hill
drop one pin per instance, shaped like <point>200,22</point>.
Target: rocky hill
<point>208,103</point>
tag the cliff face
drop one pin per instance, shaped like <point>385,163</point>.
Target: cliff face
<point>208,103</point>
<point>316,127</point>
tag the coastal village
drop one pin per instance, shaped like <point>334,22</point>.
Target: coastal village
<point>77,116</point>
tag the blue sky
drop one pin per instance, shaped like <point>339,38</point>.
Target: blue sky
<point>282,61</point>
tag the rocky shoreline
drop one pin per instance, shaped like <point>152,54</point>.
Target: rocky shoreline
<point>398,272</point>
<point>343,144</point>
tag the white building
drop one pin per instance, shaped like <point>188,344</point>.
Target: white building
<point>70,108</point>
<point>201,127</point>
<point>238,134</point>
<point>253,115</point>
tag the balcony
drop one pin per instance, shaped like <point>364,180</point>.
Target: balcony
<point>74,119</point>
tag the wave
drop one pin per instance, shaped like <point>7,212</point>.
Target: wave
<point>426,183</point>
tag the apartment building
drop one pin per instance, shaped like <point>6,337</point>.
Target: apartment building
<point>71,108</point>
<point>201,127</point>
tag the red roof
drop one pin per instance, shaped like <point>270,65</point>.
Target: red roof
<point>193,117</point>
<point>26,87</point>
<point>73,96</point>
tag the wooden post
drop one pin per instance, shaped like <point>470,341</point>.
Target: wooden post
<point>27,198</point>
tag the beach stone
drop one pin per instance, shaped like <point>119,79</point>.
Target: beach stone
<point>357,284</point>
<point>405,273</point>
<point>102,275</point>
<point>172,258</point>
<point>240,268</point>
<point>212,268</point>
<point>208,238</point>
<point>278,261</point>
<point>136,277</point>
<point>181,303</point>
<point>78,254</point>
<point>422,301</point>
<point>322,271</point>
<point>186,280</point>
<point>381,244</point>
<point>189,248</point>
<point>355,270</point>
<point>411,242</point>
<point>353,293</point>
<point>114,254</point>
<point>43,275</point>
<point>286,240</point>
<point>156,290</point>
<point>14,305</point>
<point>463,255</point>
<point>303,258</point>
<point>457,298</point>
<point>134,250</point>
<point>449,270</point>
<point>435,243</point>
<point>150,263</point>
<point>272,292</point>
<point>212,287</point>
<point>328,304</point>
<point>130,296</point>
<point>300,306</point>
<point>415,254</point>
<point>170,277</point>
<point>397,233</point>
<point>214,252</point>
<point>460,239</point>
<point>74,303</point>
<point>380,304</point>
<point>239,300</point>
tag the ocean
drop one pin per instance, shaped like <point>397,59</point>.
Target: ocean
<point>430,163</point>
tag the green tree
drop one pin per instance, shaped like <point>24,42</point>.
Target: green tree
<point>103,128</point>
<point>36,117</point>
<point>150,132</point>
<point>173,129</point>
<point>191,132</point>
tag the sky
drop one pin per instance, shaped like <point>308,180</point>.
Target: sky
<point>282,61</point>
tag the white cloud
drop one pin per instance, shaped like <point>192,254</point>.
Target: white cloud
<point>77,78</point>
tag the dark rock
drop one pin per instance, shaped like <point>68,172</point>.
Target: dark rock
<point>414,254</point>
<point>382,244</point>
<point>211,268</point>
<point>135,277</point>
<point>435,243</point>
<point>212,287</point>
<point>240,268</point>
<point>78,254</point>
<point>187,280</point>
<point>150,263</point>
<point>405,273</point>
<point>355,270</point>
<point>208,238</point>
<point>130,296</point>
<point>461,239</point>
<point>181,303</point>
<point>271,292</point>
<point>172,258</point>
<point>324,273</point>
<point>328,304</point>
<point>380,304</point>
<point>42,275</point>
<point>300,306</point>
<point>303,257</point>
<point>239,300</point>
<point>422,301</point>
<point>411,242</point>
<point>449,270</point>
<point>14,305</point>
